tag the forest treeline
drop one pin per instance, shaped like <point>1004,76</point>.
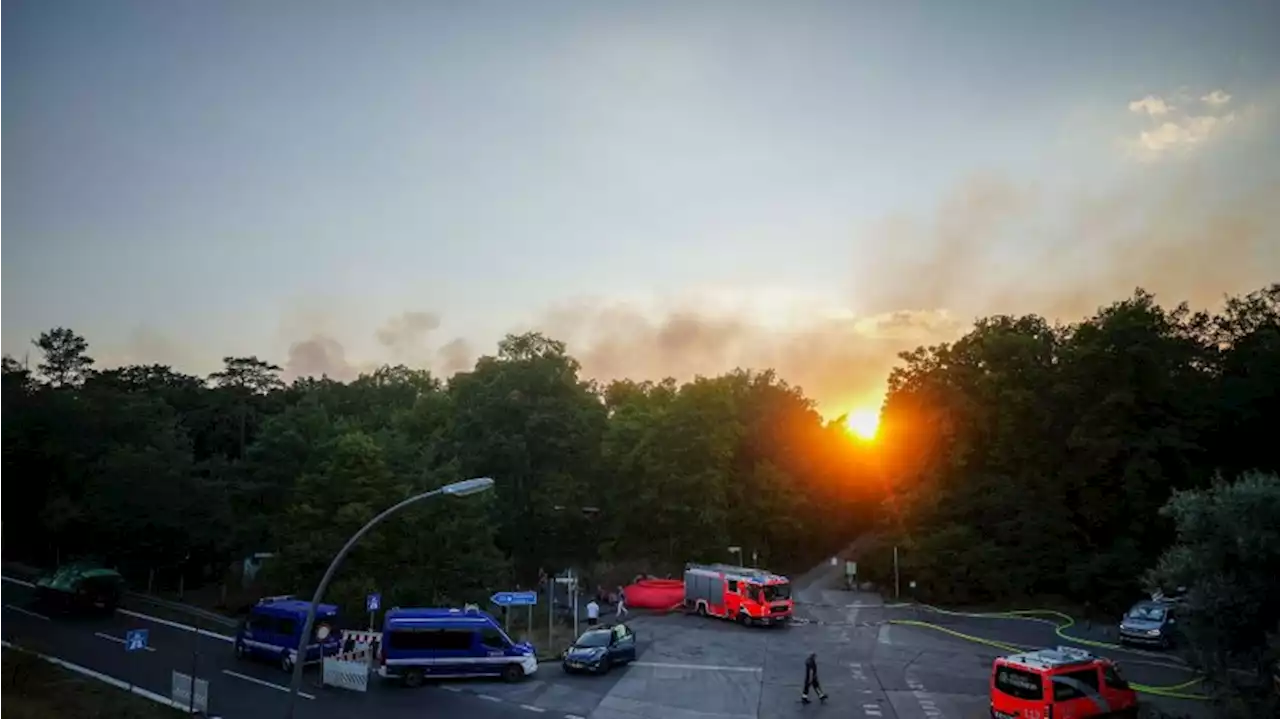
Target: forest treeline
<point>1024,459</point>
<point>159,471</point>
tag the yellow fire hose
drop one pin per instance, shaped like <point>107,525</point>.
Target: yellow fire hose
<point>1061,623</point>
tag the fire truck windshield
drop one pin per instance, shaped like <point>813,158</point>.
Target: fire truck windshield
<point>777,592</point>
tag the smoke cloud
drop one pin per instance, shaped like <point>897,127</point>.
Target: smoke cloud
<point>985,250</point>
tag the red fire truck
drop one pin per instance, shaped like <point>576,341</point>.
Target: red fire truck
<point>743,594</point>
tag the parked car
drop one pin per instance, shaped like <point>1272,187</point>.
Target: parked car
<point>84,587</point>
<point>600,649</point>
<point>1150,623</point>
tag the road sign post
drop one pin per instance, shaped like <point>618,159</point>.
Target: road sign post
<point>373,602</point>
<point>514,599</point>
<point>507,600</point>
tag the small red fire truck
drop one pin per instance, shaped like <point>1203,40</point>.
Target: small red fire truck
<point>743,594</point>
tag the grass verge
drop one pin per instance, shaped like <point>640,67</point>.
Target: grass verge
<point>36,689</point>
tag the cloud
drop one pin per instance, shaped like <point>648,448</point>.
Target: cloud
<point>403,339</point>
<point>1217,98</point>
<point>319,356</point>
<point>1176,131</point>
<point>838,358</point>
<point>1151,105</point>
<point>1189,131</point>
<point>407,331</point>
<point>988,247</point>
<point>455,357</point>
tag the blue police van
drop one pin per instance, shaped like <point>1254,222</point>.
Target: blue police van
<point>274,626</point>
<point>418,644</point>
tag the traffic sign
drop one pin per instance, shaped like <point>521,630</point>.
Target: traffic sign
<point>135,640</point>
<point>373,602</point>
<point>514,599</point>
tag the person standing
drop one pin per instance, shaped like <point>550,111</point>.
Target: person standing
<point>811,680</point>
<point>622,602</point>
<point>593,613</point>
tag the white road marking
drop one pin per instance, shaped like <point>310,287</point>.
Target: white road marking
<point>131,613</point>
<point>448,688</point>
<point>27,612</point>
<point>264,683</point>
<point>489,697</point>
<point>532,708</point>
<point>706,667</point>
<point>573,716</point>
<point>104,678</point>
<point>118,640</point>
<point>177,625</point>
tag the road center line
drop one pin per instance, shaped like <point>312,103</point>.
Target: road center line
<point>18,582</point>
<point>118,640</point>
<point>705,667</point>
<point>264,683</point>
<point>27,612</point>
<point>177,625</point>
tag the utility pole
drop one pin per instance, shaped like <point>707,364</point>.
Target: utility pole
<point>897,588</point>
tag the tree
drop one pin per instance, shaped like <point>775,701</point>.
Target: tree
<point>66,359</point>
<point>1227,554</point>
<point>1026,458</point>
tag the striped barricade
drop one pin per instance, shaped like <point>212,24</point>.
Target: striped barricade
<point>346,674</point>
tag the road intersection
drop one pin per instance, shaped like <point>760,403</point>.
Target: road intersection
<point>688,668</point>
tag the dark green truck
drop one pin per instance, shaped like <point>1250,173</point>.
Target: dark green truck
<point>81,587</point>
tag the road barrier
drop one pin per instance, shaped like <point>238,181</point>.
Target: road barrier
<point>1065,621</point>
<point>180,687</point>
<point>352,675</point>
<point>360,646</point>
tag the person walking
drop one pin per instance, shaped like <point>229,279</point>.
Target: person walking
<point>622,603</point>
<point>593,613</point>
<point>811,680</point>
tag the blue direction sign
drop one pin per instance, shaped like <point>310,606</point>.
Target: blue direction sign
<point>373,602</point>
<point>514,599</point>
<point>135,640</point>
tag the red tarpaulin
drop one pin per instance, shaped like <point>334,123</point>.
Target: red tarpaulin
<point>655,593</point>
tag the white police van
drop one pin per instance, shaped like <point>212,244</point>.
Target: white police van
<point>274,626</point>
<point>418,644</point>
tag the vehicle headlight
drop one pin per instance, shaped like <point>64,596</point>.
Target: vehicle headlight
<point>1153,632</point>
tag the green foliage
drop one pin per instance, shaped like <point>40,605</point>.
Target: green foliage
<point>165,472</point>
<point>1031,459</point>
<point>1227,554</point>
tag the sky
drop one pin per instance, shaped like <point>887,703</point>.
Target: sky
<point>672,188</point>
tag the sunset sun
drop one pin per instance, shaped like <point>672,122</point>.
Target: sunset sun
<point>863,423</point>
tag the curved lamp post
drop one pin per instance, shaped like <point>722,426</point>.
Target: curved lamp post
<point>457,489</point>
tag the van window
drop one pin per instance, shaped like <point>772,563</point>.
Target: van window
<point>430,639</point>
<point>1064,685</point>
<point>1018,683</point>
<point>1112,677</point>
<point>493,639</point>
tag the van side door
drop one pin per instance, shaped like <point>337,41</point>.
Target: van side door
<point>458,651</point>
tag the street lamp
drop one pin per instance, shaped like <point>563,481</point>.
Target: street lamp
<point>462,488</point>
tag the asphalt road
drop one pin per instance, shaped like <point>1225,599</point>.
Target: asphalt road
<point>237,690</point>
<point>688,667</point>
